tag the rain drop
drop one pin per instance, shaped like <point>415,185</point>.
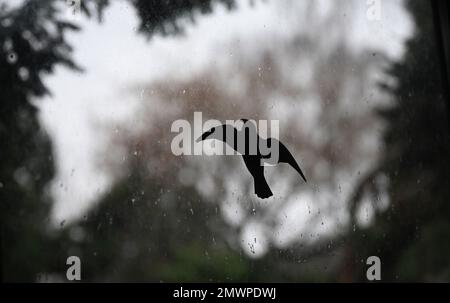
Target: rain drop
<point>24,74</point>
<point>12,58</point>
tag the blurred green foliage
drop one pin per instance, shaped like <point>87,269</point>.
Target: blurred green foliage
<point>416,160</point>
<point>28,50</point>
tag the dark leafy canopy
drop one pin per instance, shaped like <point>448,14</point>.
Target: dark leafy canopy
<point>411,237</point>
<point>160,16</point>
<point>164,16</point>
<point>32,43</point>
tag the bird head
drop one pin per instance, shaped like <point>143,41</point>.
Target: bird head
<point>212,133</point>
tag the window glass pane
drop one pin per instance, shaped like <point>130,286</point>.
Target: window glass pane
<point>112,146</point>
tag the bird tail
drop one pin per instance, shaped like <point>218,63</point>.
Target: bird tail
<point>298,169</point>
<point>262,189</point>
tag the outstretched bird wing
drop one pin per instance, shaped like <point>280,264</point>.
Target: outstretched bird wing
<point>286,157</point>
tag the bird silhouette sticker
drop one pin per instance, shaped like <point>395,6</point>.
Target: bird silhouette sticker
<point>256,151</point>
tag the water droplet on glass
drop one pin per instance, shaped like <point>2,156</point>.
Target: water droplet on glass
<point>7,22</point>
<point>24,74</point>
<point>252,248</point>
<point>12,58</point>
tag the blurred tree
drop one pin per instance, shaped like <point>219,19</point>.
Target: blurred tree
<point>28,50</point>
<point>411,237</point>
<point>32,43</point>
<point>146,231</point>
